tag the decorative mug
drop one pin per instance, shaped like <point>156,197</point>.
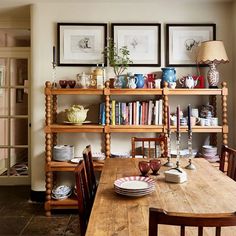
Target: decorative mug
<point>214,121</point>
<point>195,112</point>
<point>195,120</point>
<point>157,83</point>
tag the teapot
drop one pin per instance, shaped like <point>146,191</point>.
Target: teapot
<point>83,80</point>
<point>188,82</point>
<point>76,114</point>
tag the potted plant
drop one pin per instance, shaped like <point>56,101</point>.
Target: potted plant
<point>118,58</point>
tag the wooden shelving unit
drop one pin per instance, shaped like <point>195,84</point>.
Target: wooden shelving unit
<point>52,127</point>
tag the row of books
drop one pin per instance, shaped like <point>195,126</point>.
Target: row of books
<point>133,113</point>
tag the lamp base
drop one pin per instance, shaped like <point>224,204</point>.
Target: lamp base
<point>212,76</point>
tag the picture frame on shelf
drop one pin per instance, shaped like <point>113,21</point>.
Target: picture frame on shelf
<point>143,41</point>
<point>182,41</point>
<point>81,44</point>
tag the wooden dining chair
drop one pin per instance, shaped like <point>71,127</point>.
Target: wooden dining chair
<point>84,202</point>
<point>149,146</point>
<point>228,161</point>
<point>161,217</point>
<point>88,161</point>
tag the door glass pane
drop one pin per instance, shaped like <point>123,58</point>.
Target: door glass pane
<point>19,161</point>
<point>19,71</point>
<point>19,102</point>
<point>14,38</point>
<point>3,75</point>
<point>19,131</point>
<point>4,131</point>
<point>3,161</point>
<point>3,101</point>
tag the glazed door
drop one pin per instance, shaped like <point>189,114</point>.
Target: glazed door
<point>14,117</point>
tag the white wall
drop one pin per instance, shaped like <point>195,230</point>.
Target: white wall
<point>44,17</point>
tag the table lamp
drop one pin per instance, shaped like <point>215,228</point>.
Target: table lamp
<point>212,53</point>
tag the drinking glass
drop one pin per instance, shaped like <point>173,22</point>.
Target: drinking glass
<point>144,167</point>
<point>155,166</point>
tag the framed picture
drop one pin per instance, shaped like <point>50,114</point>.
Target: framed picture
<point>142,40</point>
<point>81,44</point>
<point>182,41</point>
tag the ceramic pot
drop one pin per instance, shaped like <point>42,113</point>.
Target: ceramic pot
<point>76,114</point>
<point>168,75</point>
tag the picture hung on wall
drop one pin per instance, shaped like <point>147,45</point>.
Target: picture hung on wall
<point>182,41</point>
<point>142,40</point>
<point>81,44</point>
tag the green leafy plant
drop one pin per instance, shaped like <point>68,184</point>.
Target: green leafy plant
<point>118,58</point>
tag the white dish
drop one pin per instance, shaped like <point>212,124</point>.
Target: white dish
<point>73,123</point>
<point>61,190</point>
<point>61,197</point>
<point>76,160</point>
<point>134,183</point>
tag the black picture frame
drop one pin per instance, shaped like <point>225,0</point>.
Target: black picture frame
<point>182,41</point>
<point>143,40</point>
<point>81,44</point>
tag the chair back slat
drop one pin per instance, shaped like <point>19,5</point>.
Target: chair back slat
<point>84,203</point>
<point>151,145</point>
<point>228,161</point>
<point>159,216</point>
<point>88,160</point>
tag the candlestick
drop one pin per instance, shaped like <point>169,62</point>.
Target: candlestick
<point>189,119</point>
<point>178,120</point>
<point>54,56</point>
<point>169,163</point>
<point>190,166</point>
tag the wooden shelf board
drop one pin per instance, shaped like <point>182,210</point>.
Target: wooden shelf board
<point>69,166</point>
<point>60,166</point>
<point>135,128</point>
<point>205,91</point>
<point>85,128</point>
<point>125,91</point>
<point>74,91</point>
<point>199,129</point>
<point>72,201</point>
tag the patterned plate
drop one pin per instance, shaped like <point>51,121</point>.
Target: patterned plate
<point>134,183</point>
<point>137,194</point>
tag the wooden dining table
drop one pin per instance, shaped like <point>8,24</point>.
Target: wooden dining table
<point>207,190</point>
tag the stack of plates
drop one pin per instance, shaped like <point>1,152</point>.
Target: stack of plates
<point>210,153</point>
<point>134,186</point>
<point>61,192</point>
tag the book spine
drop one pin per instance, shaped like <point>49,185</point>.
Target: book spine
<point>113,108</point>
